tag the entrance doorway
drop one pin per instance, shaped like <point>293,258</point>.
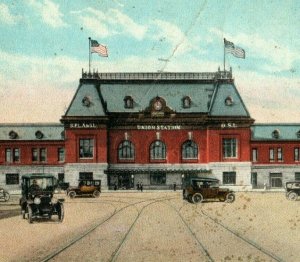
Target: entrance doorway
<point>276,180</point>
<point>122,181</point>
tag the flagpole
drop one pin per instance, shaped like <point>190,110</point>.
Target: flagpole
<point>89,55</point>
<point>224,54</point>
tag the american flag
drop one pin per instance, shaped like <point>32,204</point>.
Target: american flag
<point>235,50</point>
<point>98,48</point>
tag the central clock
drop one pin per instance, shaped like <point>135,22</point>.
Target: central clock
<point>157,105</point>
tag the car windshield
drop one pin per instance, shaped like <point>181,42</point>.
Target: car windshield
<point>43,183</point>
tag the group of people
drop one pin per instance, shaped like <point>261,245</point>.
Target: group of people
<point>139,186</point>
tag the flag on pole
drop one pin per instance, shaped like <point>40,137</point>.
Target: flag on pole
<point>98,48</point>
<point>235,50</point>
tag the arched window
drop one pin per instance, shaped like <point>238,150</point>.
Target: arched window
<point>158,150</point>
<point>126,150</point>
<point>186,102</point>
<point>128,102</point>
<point>189,150</point>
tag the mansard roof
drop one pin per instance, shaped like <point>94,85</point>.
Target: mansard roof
<point>101,94</point>
<point>36,131</point>
<point>275,132</point>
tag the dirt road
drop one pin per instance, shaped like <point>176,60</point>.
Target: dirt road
<point>158,226</point>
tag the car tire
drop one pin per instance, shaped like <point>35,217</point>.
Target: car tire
<point>230,198</point>
<point>197,198</point>
<point>72,194</point>
<point>292,196</point>
<point>29,214</point>
<point>190,198</point>
<point>96,193</point>
<point>61,212</point>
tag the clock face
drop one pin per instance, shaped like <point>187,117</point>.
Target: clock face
<point>157,105</point>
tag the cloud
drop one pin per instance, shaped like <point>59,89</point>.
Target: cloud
<point>110,23</point>
<point>33,85</point>
<point>6,17</point>
<point>269,98</point>
<point>49,12</point>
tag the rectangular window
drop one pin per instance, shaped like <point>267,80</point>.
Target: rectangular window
<point>86,148</point>
<point>8,155</point>
<point>297,176</point>
<point>12,179</point>
<point>229,148</point>
<point>158,179</point>
<point>86,175</point>
<point>271,154</point>
<point>12,155</point>
<point>43,154</point>
<point>296,154</point>
<point>254,154</point>
<point>35,155</point>
<point>16,154</point>
<point>229,178</point>
<point>276,180</point>
<point>254,179</point>
<point>61,154</point>
<point>279,154</point>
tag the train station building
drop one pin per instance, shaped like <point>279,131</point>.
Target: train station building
<point>155,129</point>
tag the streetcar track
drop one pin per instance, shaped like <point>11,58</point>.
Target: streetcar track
<point>81,236</point>
<point>202,247</point>
<point>248,241</point>
<point>239,235</point>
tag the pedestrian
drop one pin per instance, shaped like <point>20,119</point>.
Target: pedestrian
<point>115,187</point>
<point>174,186</point>
<point>138,186</point>
<point>141,187</point>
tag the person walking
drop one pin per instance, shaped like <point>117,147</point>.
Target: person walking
<point>141,187</point>
<point>174,186</point>
<point>138,186</point>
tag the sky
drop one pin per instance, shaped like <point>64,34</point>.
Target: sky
<point>44,46</point>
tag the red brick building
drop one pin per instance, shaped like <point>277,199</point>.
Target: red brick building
<point>153,128</point>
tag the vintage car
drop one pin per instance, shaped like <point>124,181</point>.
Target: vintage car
<point>197,189</point>
<point>37,199</point>
<point>86,187</point>
<point>292,189</point>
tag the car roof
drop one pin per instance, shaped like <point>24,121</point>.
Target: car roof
<point>209,179</point>
<point>37,175</point>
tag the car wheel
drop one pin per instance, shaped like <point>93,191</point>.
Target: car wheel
<point>96,193</point>
<point>230,198</point>
<point>197,198</point>
<point>6,196</point>
<point>292,196</point>
<point>61,212</point>
<point>29,214</point>
<point>189,198</point>
<point>72,194</point>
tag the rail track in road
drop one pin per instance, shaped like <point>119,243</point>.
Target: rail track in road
<point>114,255</point>
<point>233,232</point>
<point>243,238</point>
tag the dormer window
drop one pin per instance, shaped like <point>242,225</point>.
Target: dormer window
<point>228,101</point>
<point>186,102</point>
<point>39,134</point>
<point>13,135</point>
<point>275,134</point>
<point>86,101</point>
<point>128,102</point>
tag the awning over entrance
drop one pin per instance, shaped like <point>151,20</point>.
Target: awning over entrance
<point>157,170</point>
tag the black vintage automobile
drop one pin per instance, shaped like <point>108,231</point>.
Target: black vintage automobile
<point>86,187</point>
<point>197,189</point>
<point>292,189</point>
<point>37,199</point>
